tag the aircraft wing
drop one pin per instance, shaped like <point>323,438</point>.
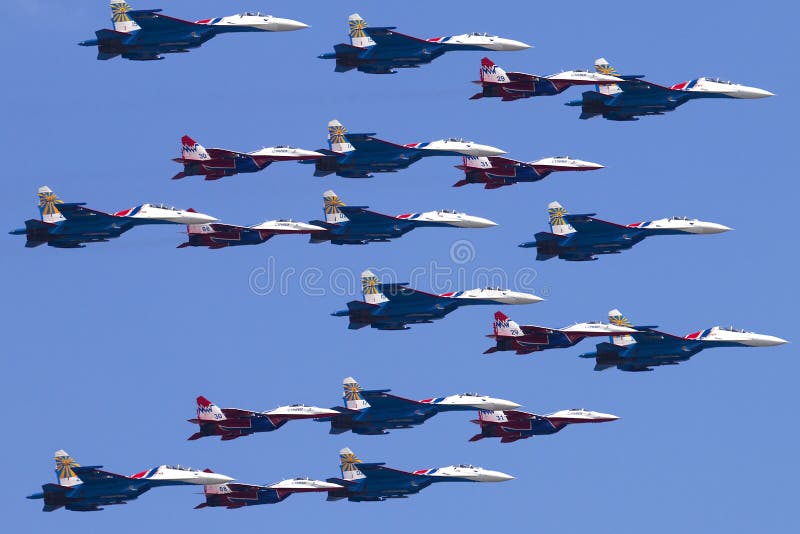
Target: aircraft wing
<point>379,471</point>
<point>93,473</point>
<point>533,330</point>
<point>136,56</point>
<point>225,228</point>
<point>587,224</point>
<point>151,21</point>
<point>367,143</point>
<point>215,153</point>
<point>401,295</point>
<point>641,87</point>
<point>389,38</point>
<point>236,413</point>
<point>360,215</point>
<point>76,212</point>
<point>382,400</point>
<point>651,337</point>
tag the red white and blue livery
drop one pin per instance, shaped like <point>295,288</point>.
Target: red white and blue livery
<point>235,495</point>
<point>582,237</point>
<point>635,97</point>
<point>357,225</point>
<point>358,155</point>
<point>512,425</point>
<point>393,306</point>
<point>373,412</point>
<point>526,339</point>
<point>89,488</point>
<point>495,172</point>
<point>374,482</point>
<point>383,50</point>
<point>71,225</point>
<point>231,423</point>
<point>649,348</point>
<point>497,83</point>
<point>216,163</point>
<point>143,35</point>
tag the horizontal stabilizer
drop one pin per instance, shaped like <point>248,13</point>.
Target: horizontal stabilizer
<point>105,36</point>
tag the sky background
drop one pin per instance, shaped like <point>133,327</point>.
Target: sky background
<point>106,347</point>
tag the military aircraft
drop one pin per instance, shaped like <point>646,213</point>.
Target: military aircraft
<point>70,225</point>
<point>582,237</point>
<point>216,163</point>
<point>382,50</point>
<point>144,35</point>
<point>650,348</point>
<point>356,225</point>
<point>373,412</point>
<point>635,97</point>
<point>495,172</point>
<point>496,82</point>
<point>393,306</point>
<point>231,423</point>
<point>235,495</point>
<point>525,339</point>
<point>89,488</point>
<point>376,482</point>
<point>511,425</point>
<point>218,235</point>
<point>359,155</point>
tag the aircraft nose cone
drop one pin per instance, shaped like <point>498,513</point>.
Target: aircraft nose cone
<point>502,404</point>
<point>771,341</point>
<point>510,45</point>
<point>754,92</point>
<point>476,222</point>
<point>523,298</point>
<point>484,150</point>
<point>287,25</point>
<point>213,478</point>
<point>495,476</point>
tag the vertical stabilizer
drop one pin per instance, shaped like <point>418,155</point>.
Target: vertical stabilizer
<point>64,469</point>
<point>192,150</point>
<point>332,203</point>
<point>601,66</point>
<point>208,411</point>
<point>503,326</point>
<point>369,287</point>
<point>491,73</point>
<point>48,209</point>
<point>337,137</point>
<point>352,394</point>
<point>349,465</point>
<point>558,225</point>
<point>616,318</point>
<point>119,16</point>
<point>357,35</point>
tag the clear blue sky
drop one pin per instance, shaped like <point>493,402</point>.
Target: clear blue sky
<point>106,347</point>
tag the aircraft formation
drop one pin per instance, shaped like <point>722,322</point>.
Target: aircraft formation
<point>145,35</point>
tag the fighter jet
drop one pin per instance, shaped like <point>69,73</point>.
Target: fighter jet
<point>218,235</point>
<point>373,412</point>
<point>89,488</point>
<point>495,172</point>
<point>393,306</point>
<point>636,97</point>
<point>511,425</point>
<point>144,35</point>
<point>382,50</point>
<point>356,225</point>
<point>650,348</point>
<point>376,482</point>
<point>582,237</point>
<point>231,423</point>
<point>215,163</point>
<point>508,86</point>
<point>359,155</point>
<point>508,335</point>
<point>235,495</point>
<point>70,225</point>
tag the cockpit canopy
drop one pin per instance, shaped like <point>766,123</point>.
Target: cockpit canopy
<point>253,14</point>
<point>480,34</point>
<point>471,395</point>
<point>285,146</point>
<point>466,466</point>
<point>679,218</point>
<point>732,329</point>
<point>454,212</point>
<point>180,468</point>
<point>163,207</point>
<point>457,140</point>
<point>717,80</point>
